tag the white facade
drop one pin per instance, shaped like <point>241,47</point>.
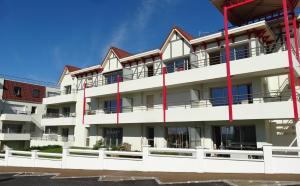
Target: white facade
<point>197,113</point>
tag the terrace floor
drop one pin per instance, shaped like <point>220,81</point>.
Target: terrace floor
<point>17,175</point>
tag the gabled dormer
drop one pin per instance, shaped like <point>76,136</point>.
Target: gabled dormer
<point>111,61</point>
<point>65,81</point>
<point>177,44</point>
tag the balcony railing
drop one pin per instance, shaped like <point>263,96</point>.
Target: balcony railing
<point>59,93</point>
<point>272,96</point>
<point>14,131</point>
<point>54,137</point>
<point>237,54</point>
<point>15,111</point>
<point>59,115</point>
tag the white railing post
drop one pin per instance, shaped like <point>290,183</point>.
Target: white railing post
<point>7,154</point>
<point>64,159</point>
<point>200,158</point>
<point>34,156</point>
<point>145,150</point>
<point>101,157</point>
<point>267,149</point>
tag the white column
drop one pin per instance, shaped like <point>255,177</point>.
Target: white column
<point>200,158</point>
<point>267,149</point>
<point>101,158</point>
<point>297,128</point>
<point>34,156</point>
<point>7,154</point>
<point>145,157</point>
<point>64,159</point>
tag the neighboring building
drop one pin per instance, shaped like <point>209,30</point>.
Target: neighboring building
<point>196,109</point>
<point>21,112</point>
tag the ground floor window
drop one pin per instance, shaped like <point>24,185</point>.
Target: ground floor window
<point>112,136</point>
<point>234,137</point>
<point>51,130</point>
<point>183,137</point>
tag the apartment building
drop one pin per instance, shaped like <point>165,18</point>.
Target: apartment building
<point>21,111</point>
<point>176,96</point>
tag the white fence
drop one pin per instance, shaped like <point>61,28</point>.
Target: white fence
<point>270,160</point>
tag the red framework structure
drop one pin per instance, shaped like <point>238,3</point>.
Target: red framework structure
<point>164,71</point>
<point>230,4</point>
<point>84,102</point>
<point>118,99</point>
<point>291,68</point>
<point>227,50</point>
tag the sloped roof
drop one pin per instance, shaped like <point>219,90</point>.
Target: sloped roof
<point>183,33</point>
<point>71,68</point>
<point>120,53</point>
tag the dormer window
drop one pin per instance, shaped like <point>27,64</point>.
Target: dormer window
<point>18,91</point>
<point>68,89</point>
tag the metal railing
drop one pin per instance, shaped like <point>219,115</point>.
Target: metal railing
<point>54,137</point>
<point>271,96</point>
<point>236,54</point>
<point>59,115</point>
<point>14,131</point>
<point>59,93</point>
<point>15,111</point>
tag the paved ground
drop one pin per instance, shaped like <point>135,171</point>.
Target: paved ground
<point>37,176</point>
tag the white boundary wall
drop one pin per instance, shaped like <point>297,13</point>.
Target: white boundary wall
<point>270,160</point>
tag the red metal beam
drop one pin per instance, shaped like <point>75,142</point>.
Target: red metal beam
<point>164,71</point>
<point>118,99</point>
<point>291,68</point>
<point>227,50</point>
<point>239,4</point>
<point>84,102</point>
<point>296,39</point>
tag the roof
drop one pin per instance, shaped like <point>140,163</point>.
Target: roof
<point>96,68</point>
<point>183,33</point>
<point>252,11</point>
<point>120,53</point>
<point>71,68</point>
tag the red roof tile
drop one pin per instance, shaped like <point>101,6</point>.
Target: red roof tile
<point>184,33</point>
<point>71,68</point>
<point>120,53</point>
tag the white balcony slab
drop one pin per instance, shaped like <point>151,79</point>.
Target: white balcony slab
<point>14,137</point>
<point>279,110</point>
<point>67,98</point>
<point>67,121</point>
<point>249,67</point>
<point>15,117</point>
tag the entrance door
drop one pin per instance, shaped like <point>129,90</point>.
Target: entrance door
<point>150,102</point>
<point>150,136</point>
<point>65,134</point>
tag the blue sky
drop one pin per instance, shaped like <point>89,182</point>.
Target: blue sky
<point>38,37</point>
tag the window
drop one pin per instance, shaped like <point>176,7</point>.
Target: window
<point>51,130</point>
<point>183,137</point>
<point>66,111</point>
<point>112,77</point>
<point>177,65</point>
<point>18,91</point>
<point>150,101</point>
<point>234,137</point>
<point>150,70</point>
<point>240,93</point>
<point>33,110</point>
<point>113,136</point>
<point>110,106</point>
<point>36,93</point>
<point>68,89</point>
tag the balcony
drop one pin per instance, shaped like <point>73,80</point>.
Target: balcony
<point>52,139</point>
<point>61,97</point>
<point>55,119</point>
<point>249,63</point>
<point>15,115</point>
<point>14,135</point>
<point>255,106</point>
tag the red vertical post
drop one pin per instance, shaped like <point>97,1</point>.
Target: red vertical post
<point>295,30</point>
<point>164,71</point>
<point>84,102</point>
<point>227,50</point>
<point>118,98</point>
<point>291,68</point>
